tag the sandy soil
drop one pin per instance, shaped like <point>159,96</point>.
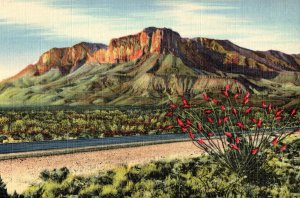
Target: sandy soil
<point>18,174</point>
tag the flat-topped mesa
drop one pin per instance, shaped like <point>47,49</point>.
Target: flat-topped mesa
<point>132,47</point>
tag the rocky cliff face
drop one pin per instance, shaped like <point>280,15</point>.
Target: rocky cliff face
<point>128,48</point>
<point>120,50</point>
<point>66,59</point>
<point>199,54</point>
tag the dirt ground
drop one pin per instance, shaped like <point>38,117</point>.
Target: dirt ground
<point>18,174</point>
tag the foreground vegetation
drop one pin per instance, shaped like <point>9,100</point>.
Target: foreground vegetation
<point>198,177</point>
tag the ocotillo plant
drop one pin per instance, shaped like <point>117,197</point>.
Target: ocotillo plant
<point>235,133</point>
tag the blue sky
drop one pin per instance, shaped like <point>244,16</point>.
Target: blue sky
<point>28,28</point>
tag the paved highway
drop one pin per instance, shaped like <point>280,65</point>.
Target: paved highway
<point>103,142</point>
<point>69,144</point>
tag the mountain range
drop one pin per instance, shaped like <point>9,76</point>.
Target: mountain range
<point>151,67</point>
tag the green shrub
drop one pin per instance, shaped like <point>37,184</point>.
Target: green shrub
<point>57,175</point>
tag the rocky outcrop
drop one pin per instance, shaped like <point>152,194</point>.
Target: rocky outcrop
<point>132,47</point>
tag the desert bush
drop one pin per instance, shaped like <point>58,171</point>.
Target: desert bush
<point>235,133</point>
<point>56,175</point>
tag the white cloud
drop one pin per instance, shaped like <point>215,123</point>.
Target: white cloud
<point>192,19</point>
<point>64,22</point>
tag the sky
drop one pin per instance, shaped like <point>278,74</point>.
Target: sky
<point>30,27</point>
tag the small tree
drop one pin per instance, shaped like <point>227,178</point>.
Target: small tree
<point>234,133</point>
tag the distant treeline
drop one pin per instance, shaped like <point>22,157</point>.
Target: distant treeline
<point>27,124</point>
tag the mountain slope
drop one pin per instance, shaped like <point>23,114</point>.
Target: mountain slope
<point>149,68</point>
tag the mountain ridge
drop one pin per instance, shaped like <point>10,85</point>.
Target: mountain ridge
<point>73,57</point>
<point>156,63</point>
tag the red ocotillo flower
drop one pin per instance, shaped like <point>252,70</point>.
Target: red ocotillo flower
<point>297,131</point>
<point>199,126</point>
<point>233,146</point>
<point>278,118</point>
<point>169,127</point>
<point>210,134</point>
<point>246,100</point>
<point>237,140</point>
<point>269,107</point>
<point>234,111</point>
<point>263,105</point>
<point>186,106</point>
<point>254,120</point>
<point>227,87</point>
<point>169,113</point>
<point>205,97</point>
<point>191,134</point>
<point>207,111</point>
<point>228,134</point>
<point>259,123</point>
<point>209,119</point>
<point>236,95</point>
<point>172,106</point>
<point>293,112</point>
<point>225,119</point>
<point>282,148</point>
<point>200,141</point>
<point>219,121</point>
<point>184,129</point>
<point>215,101</point>
<point>185,103</point>
<point>254,151</point>
<point>223,108</point>
<point>241,125</point>
<point>278,113</point>
<point>180,122</point>
<point>247,95</point>
<point>248,110</point>
<point>275,141</point>
<point>188,122</point>
<point>225,93</point>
